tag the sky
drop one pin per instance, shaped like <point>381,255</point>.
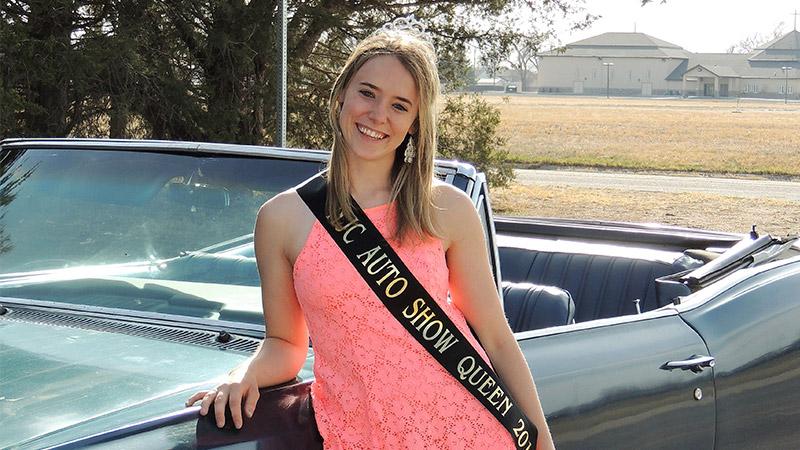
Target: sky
<point>699,26</point>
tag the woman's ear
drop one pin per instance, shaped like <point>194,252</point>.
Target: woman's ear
<point>339,105</point>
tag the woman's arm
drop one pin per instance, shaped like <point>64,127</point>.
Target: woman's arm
<point>276,225</point>
<point>474,293</point>
<point>283,351</point>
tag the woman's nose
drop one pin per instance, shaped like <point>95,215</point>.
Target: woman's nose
<point>377,113</point>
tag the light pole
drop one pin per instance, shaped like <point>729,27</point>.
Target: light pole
<point>280,75</point>
<point>608,78</point>
<point>786,70</point>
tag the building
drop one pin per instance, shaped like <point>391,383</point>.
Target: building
<point>636,64</point>
<point>505,78</point>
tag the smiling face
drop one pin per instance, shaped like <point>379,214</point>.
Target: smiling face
<point>379,107</point>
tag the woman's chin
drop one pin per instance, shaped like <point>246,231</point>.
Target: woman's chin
<point>368,155</point>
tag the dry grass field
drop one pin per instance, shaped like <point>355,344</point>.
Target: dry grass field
<point>681,135</point>
<point>695,210</point>
<point>712,136</point>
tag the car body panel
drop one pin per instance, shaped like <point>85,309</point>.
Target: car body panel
<point>57,377</point>
<point>601,381</point>
<point>603,387</point>
<point>752,330</point>
<point>75,380</point>
<point>283,418</point>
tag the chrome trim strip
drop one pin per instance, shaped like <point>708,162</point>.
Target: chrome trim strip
<point>196,147</point>
<point>665,311</point>
<point>184,415</point>
<point>143,317</point>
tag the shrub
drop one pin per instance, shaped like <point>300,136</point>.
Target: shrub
<point>468,132</point>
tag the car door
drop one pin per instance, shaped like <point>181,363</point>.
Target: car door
<point>752,330</point>
<point>605,384</point>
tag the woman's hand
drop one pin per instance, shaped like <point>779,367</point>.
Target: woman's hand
<point>239,393</point>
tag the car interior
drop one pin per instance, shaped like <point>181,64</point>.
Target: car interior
<point>587,281</point>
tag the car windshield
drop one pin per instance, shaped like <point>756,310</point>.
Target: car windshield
<point>146,231</point>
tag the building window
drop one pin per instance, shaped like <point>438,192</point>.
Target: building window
<point>751,88</point>
<point>630,75</point>
<point>594,74</point>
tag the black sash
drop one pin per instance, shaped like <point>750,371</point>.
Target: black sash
<point>409,302</point>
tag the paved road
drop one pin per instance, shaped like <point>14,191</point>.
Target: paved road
<point>784,190</point>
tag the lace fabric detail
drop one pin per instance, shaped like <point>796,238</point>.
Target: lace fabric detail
<point>376,387</point>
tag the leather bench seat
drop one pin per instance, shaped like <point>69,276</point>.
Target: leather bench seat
<point>603,280</point>
<point>530,307</point>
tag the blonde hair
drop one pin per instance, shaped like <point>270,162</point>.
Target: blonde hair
<point>412,183</point>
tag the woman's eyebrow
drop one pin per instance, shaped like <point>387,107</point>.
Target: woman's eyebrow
<point>372,86</point>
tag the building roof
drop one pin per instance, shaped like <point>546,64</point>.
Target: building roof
<point>720,71</point>
<point>615,39</point>
<point>785,49</point>
<point>621,45</point>
<point>731,65</point>
<point>764,62</point>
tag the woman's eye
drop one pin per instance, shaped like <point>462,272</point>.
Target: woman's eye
<point>400,107</point>
<point>367,93</point>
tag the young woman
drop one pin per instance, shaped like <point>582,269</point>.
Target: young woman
<point>375,385</point>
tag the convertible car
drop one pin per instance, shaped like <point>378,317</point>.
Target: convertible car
<point>128,282</point>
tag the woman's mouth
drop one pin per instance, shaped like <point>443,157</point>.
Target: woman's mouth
<point>376,135</point>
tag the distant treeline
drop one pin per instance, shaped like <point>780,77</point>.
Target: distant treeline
<point>205,69</point>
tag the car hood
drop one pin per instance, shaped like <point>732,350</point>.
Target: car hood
<point>61,383</point>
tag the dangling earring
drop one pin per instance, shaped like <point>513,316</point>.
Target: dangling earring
<point>410,150</point>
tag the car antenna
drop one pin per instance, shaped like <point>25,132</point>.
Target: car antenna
<point>753,233</point>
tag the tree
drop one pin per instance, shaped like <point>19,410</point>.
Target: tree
<point>492,59</point>
<point>44,78</point>
<point>468,131</point>
<point>524,56</point>
<point>204,69</point>
<point>756,40</point>
<point>520,37</point>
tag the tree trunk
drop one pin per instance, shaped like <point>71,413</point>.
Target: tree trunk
<point>119,117</point>
<point>50,26</point>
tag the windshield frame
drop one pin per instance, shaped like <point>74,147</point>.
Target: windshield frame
<point>446,170</point>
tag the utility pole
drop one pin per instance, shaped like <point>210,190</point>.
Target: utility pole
<point>608,78</point>
<point>280,122</point>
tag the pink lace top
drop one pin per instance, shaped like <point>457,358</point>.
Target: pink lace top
<point>375,386</point>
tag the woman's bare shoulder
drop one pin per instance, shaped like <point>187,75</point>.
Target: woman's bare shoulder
<point>287,220</point>
<point>450,199</point>
<point>452,209</point>
<point>285,205</point>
